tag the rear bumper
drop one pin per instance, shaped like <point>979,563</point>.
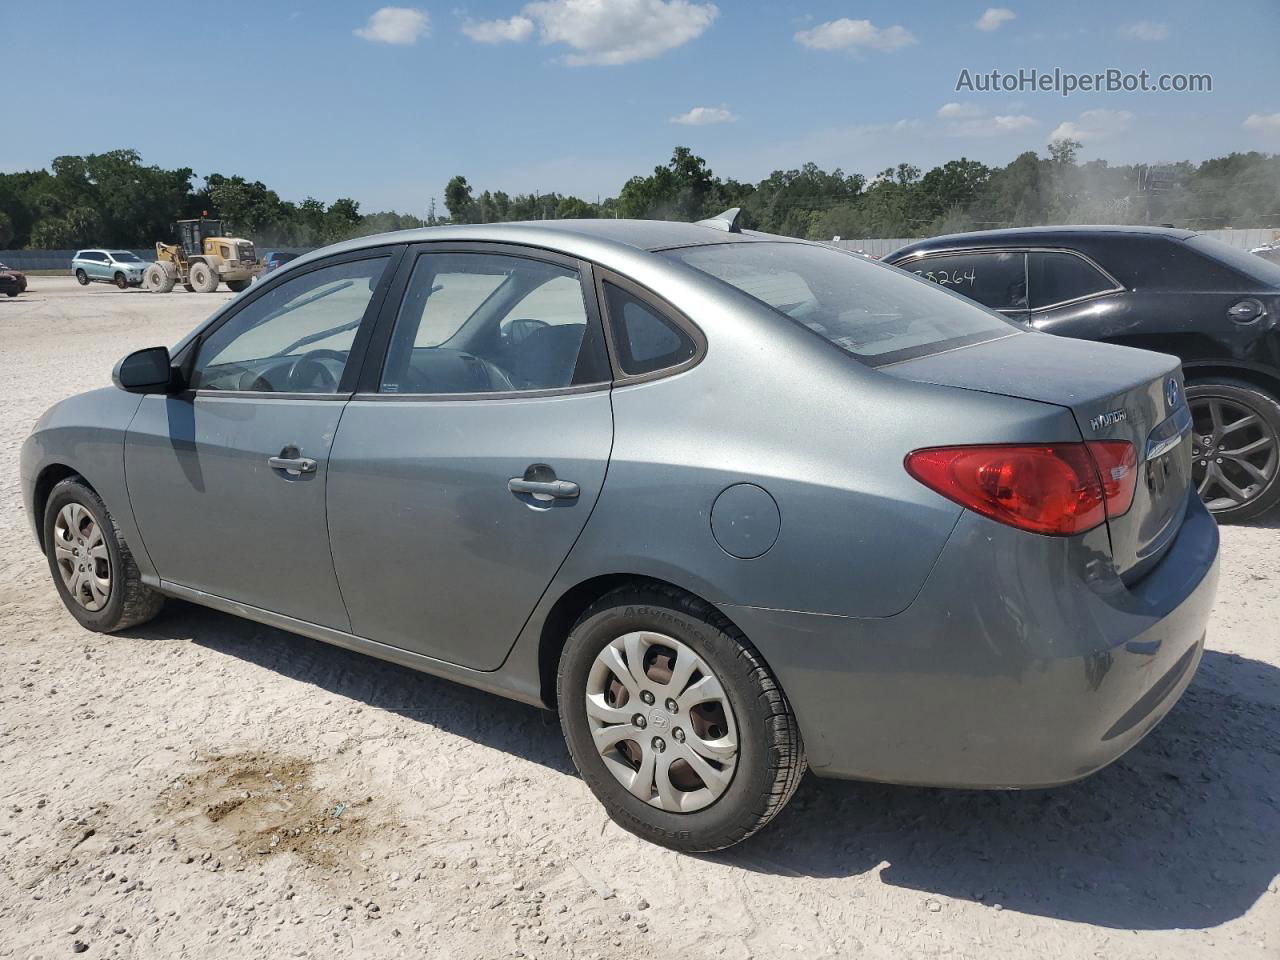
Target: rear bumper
<point>1024,661</point>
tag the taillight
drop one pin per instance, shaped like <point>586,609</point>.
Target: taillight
<point>1052,488</point>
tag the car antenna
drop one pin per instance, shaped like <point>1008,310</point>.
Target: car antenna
<point>727,221</point>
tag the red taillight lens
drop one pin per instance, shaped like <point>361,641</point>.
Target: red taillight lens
<point>1050,488</point>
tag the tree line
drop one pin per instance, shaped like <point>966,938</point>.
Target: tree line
<point>113,199</point>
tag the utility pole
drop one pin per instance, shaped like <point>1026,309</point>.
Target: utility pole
<point>431,213</point>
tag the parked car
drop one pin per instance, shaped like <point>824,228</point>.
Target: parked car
<point>1268,251</point>
<point>1215,307</point>
<point>120,267</point>
<point>273,261</point>
<point>732,504</point>
<point>12,282</point>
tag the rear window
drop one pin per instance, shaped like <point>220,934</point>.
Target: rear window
<point>880,314</point>
<point>1242,261</point>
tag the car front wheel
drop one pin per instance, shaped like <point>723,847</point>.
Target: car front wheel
<point>92,566</point>
<point>1235,448</point>
<point>674,721</point>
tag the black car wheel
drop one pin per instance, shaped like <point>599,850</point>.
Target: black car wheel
<point>82,278</point>
<point>674,722</point>
<point>121,281</point>
<point>1235,448</point>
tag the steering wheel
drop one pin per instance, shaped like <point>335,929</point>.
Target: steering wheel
<point>310,375</point>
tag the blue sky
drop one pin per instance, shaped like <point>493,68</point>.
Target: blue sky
<point>340,99</point>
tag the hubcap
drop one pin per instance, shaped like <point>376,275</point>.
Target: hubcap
<point>82,557</point>
<point>1234,452</point>
<point>661,722</point>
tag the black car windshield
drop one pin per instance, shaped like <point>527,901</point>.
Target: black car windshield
<point>124,256</point>
<point>878,313</point>
<point>1242,261</point>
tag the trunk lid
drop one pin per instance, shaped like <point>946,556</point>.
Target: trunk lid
<point>1115,393</point>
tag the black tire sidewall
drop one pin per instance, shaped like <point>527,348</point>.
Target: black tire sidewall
<point>82,278</point>
<point>1267,407</point>
<point>745,800</point>
<point>73,491</point>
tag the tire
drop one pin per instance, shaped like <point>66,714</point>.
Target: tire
<point>82,278</point>
<point>1219,469</point>
<point>204,279</point>
<point>159,278</point>
<point>121,281</point>
<point>126,601</point>
<point>756,719</point>
<point>235,286</point>
<point>12,293</point>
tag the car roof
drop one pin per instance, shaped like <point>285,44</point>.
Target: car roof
<point>1018,236</point>
<point>614,243</point>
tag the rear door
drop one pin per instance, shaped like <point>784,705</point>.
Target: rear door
<point>1066,289</point>
<point>469,461</point>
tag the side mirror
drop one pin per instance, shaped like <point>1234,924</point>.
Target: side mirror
<point>146,371</point>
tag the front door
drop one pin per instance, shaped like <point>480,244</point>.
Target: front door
<point>461,477</point>
<point>227,481</point>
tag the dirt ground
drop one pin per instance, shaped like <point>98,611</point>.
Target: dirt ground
<point>206,787</point>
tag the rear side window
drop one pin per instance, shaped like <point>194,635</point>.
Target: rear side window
<point>997,279</point>
<point>1057,277</point>
<point>644,339</point>
<point>877,313</point>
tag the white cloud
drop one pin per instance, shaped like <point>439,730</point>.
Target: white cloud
<point>1148,30</point>
<point>845,34</point>
<point>954,111</point>
<point>515,30</point>
<point>972,120</point>
<point>704,116</point>
<point>1093,126</point>
<point>994,17</point>
<point>1264,122</point>
<point>603,32</point>
<point>400,26</point>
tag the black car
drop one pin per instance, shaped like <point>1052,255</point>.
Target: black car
<point>12,282</point>
<point>1213,305</point>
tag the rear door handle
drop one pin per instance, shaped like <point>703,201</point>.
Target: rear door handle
<point>294,466</point>
<point>554,489</point>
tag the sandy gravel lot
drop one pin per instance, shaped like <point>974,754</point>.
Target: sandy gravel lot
<point>171,792</point>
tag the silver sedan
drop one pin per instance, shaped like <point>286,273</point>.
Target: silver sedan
<point>734,505</point>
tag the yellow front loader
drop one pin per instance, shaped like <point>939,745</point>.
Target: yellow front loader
<point>201,259</point>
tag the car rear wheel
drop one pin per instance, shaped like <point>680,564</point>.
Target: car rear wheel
<point>674,722</point>
<point>121,281</point>
<point>1235,448</point>
<point>82,278</point>
<point>92,567</point>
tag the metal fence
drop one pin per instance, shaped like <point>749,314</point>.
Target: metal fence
<point>61,259</point>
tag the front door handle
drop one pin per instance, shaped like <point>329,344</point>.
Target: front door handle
<point>291,463</point>
<point>551,489</point>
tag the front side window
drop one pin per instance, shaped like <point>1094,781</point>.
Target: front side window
<point>491,323</point>
<point>295,338</point>
<point>877,313</point>
<point>997,280</point>
<point>1057,277</point>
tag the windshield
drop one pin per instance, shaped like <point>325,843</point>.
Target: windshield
<point>1242,261</point>
<point>124,256</point>
<point>878,313</point>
